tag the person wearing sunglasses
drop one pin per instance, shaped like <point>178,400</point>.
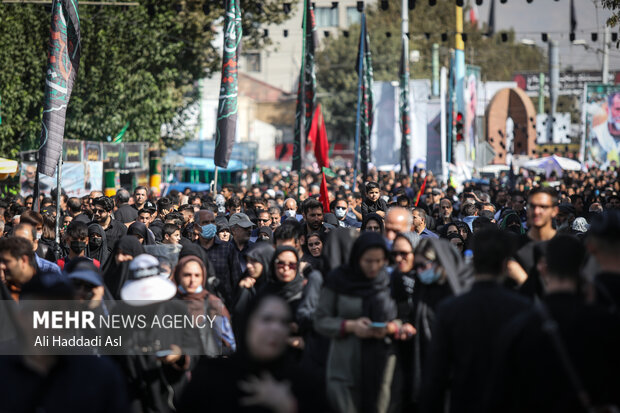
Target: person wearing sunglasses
<point>287,282</point>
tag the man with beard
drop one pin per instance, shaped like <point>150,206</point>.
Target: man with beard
<point>542,208</point>
<point>313,219</point>
<point>102,214</point>
<point>139,197</point>
<point>606,136</point>
<point>17,264</point>
<point>241,230</point>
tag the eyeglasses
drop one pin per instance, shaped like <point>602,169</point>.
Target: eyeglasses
<point>422,265</point>
<point>289,265</point>
<point>534,206</point>
<point>98,211</point>
<point>403,254</point>
<point>341,208</point>
<point>314,244</point>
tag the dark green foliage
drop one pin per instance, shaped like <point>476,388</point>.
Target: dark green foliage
<point>139,64</point>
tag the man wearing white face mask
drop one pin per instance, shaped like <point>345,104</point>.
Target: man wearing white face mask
<point>341,209</point>
<point>290,210</point>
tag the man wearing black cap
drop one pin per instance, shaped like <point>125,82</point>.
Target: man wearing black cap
<point>241,230</point>
<point>222,255</point>
<point>603,243</point>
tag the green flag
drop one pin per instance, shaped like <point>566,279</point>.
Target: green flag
<point>306,90</point>
<point>119,137</point>
<point>329,172</point>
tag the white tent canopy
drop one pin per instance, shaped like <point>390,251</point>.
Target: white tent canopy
<point>553,163</point>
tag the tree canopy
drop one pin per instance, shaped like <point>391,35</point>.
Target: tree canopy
<point>337,77</point>
<point>138,64</point>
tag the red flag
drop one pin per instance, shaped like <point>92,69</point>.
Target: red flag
<point>324,198</point>
<point>421,191</point>
<point>318,136</point>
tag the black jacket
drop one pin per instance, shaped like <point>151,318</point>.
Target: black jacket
<point>215,385</point>
<point>528,375</point>
<point>74,384</point>
<point>368,206</point>
<point>115,231</point>
<point>465,333</point>
<point>126,213</point>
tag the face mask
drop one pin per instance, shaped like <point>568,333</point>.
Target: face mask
<point>96,242</point>
<point>39,235</point>
<point>184,291</point>
<point>291,213</point>
<point>429,276</point>
<point>208,231</point>
<point>77,246</point>
<point>340,212</point>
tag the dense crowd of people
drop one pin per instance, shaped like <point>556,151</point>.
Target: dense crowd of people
<point>406,295</point>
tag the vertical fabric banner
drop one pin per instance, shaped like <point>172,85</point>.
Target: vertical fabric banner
<point>324,196</point>
<point>405,117</point>
<point>228,108</point>
<point>491,22</point>
<point>62,66</point>
<point>318,135</point>
<point>306,90</point>
<point>367,109</point>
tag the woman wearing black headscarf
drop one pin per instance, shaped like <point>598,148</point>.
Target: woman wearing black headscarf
<point>261,376</point>
<point>97,247</point>
<point>285,279</point>
<point>439,273</point>
<point>258,258</point>
<point>357,312</point>
<point>373,222</point>
<point>116,269</point>
<point>140,231</point>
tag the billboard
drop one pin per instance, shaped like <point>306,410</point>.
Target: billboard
<point>571,83</point>
<point>385,138</point>
<point>78,178</point>
<point>602,124</point>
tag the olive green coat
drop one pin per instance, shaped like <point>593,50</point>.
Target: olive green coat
<point>344,361</point>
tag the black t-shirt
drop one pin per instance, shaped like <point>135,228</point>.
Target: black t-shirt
<point>126,213</point>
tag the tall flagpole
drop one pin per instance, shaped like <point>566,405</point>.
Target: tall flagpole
<point>214,188</point>
<point>302,118</point>
<point>404,162</point>
<point>58,192</point>
<point>360,69</point>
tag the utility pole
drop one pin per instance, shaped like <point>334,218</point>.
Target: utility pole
<point>606,56</point>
